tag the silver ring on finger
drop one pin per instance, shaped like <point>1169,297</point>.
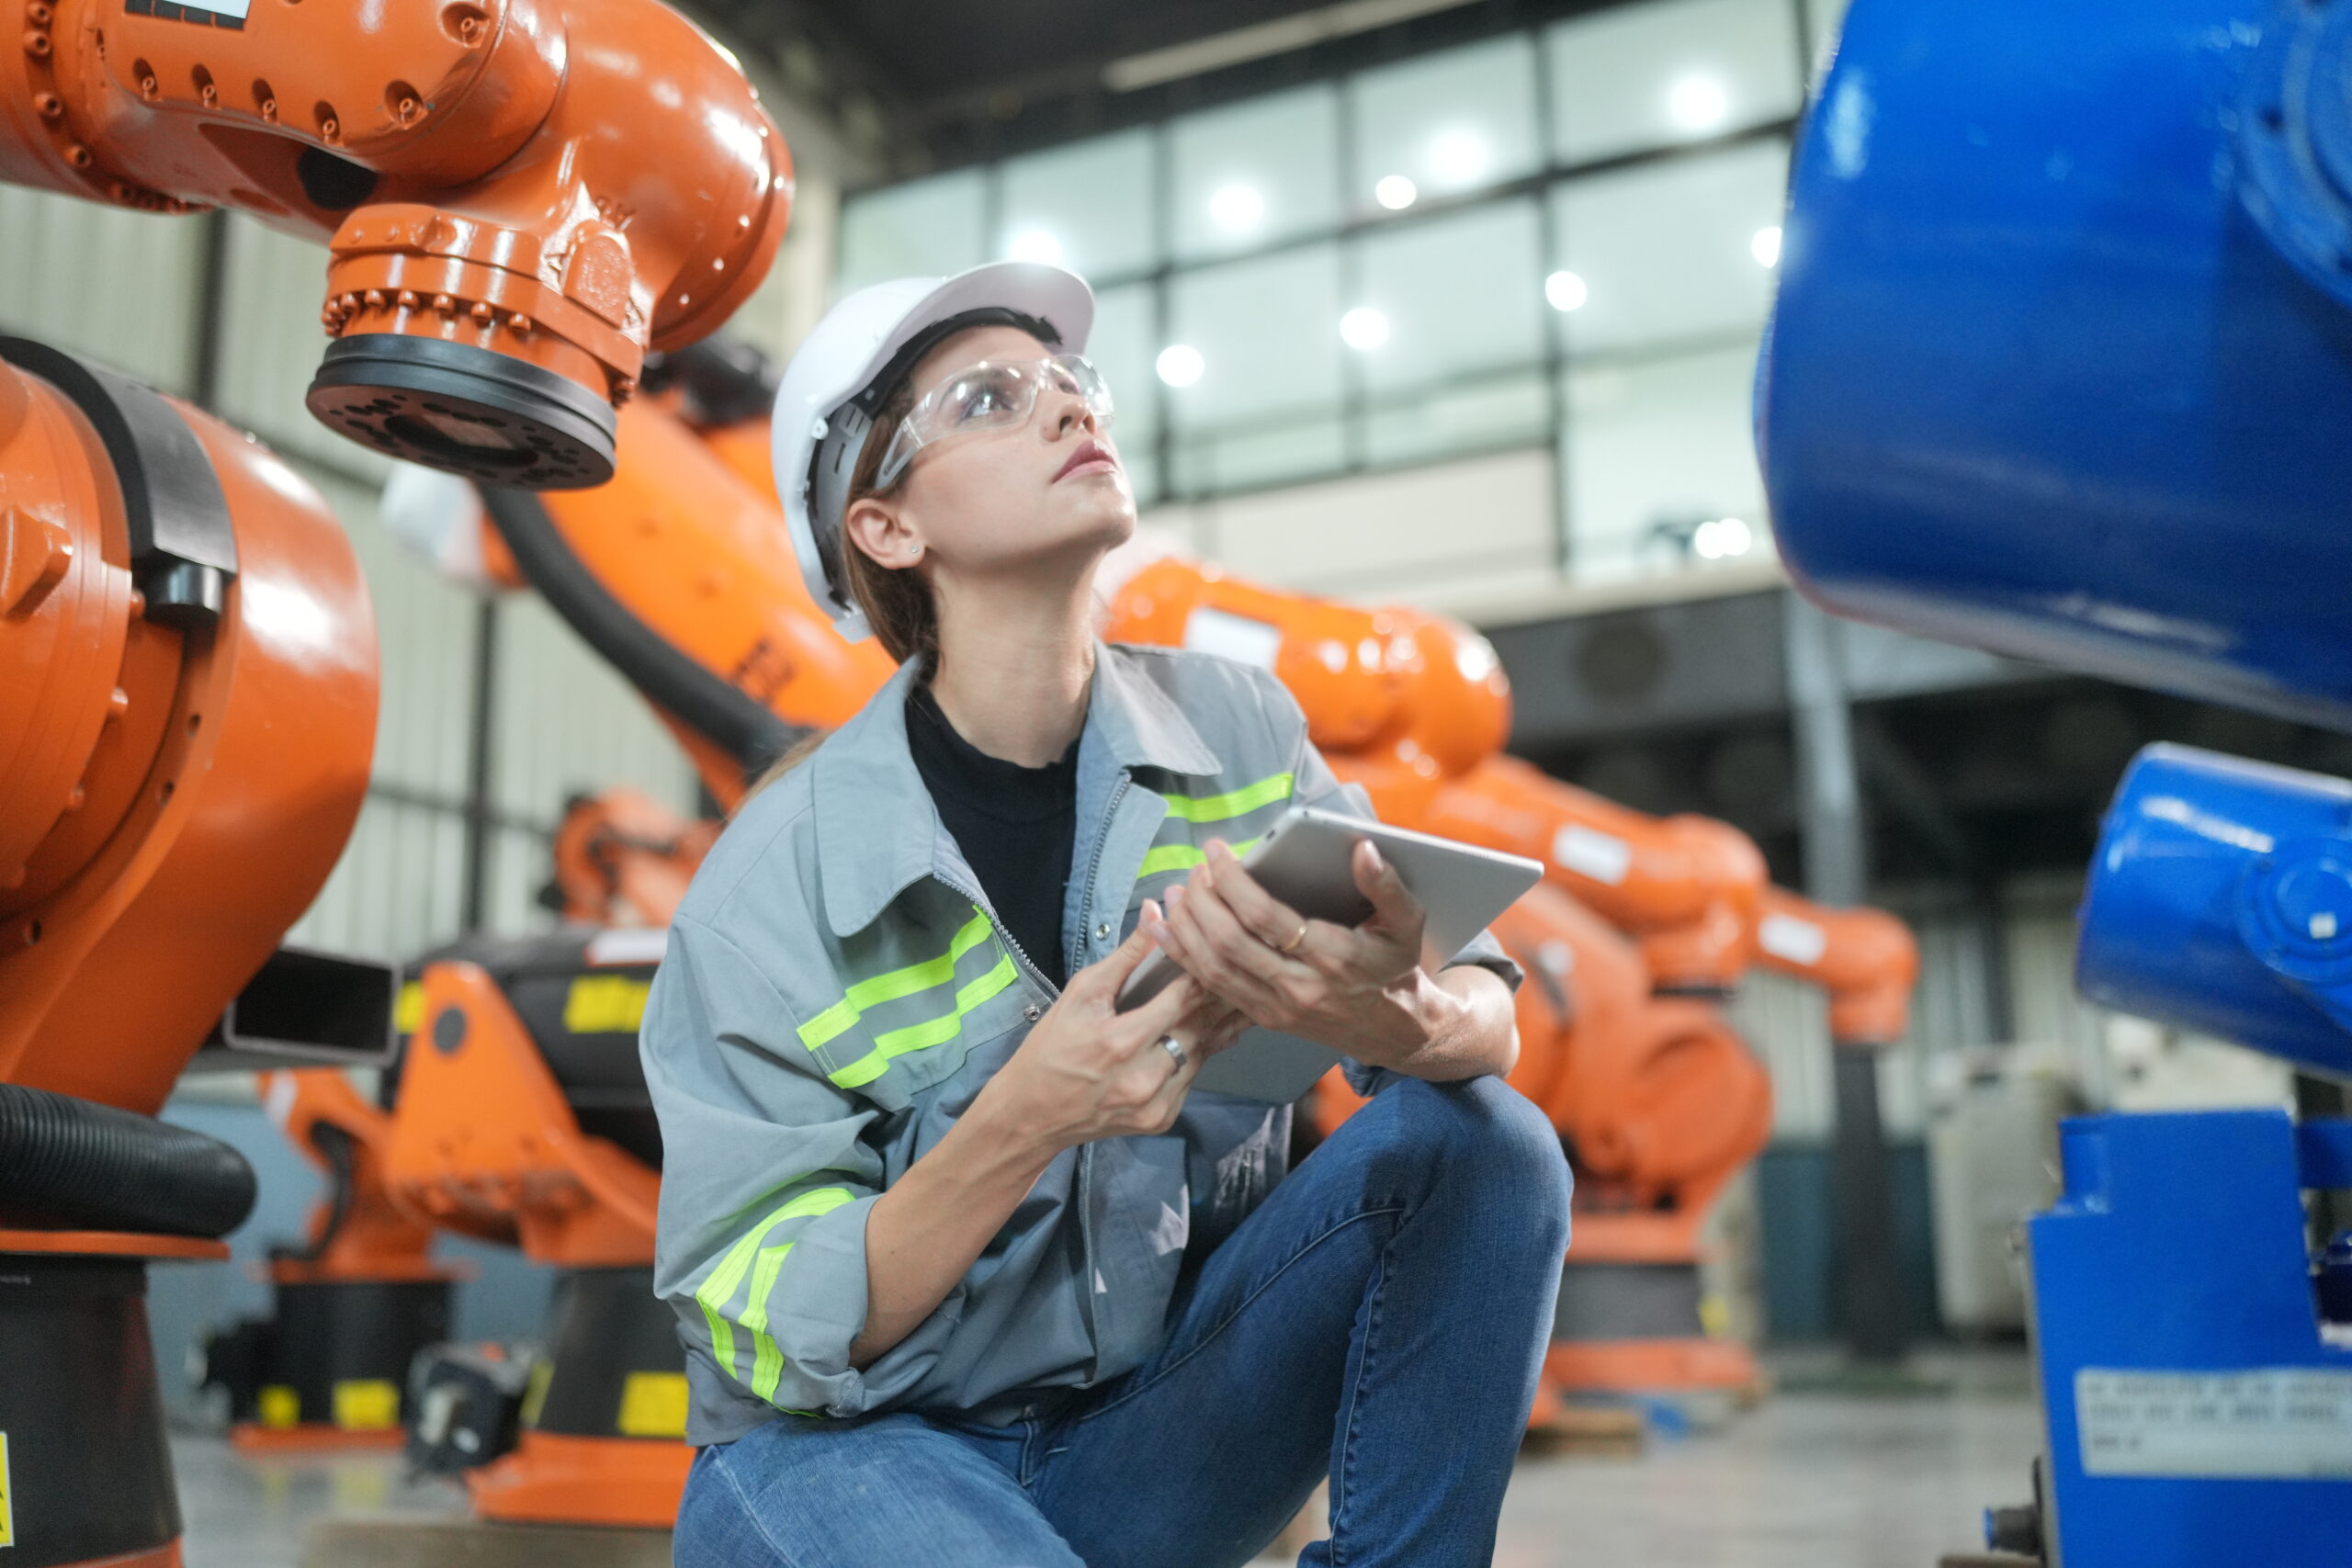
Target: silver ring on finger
<point>1175,1048</point>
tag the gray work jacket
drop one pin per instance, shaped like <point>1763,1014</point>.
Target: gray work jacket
<point>836,992</point>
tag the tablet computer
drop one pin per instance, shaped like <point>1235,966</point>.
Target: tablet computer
<point>1303,860</point>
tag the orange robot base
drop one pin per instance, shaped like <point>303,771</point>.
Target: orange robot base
<point>624,1482</point>
<point>484,1142</point>
<point>311,1437</point>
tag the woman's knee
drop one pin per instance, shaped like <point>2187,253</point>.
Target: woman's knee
<point>1485,1137</point>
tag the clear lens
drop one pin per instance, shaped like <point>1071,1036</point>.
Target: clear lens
<point>989,395</point>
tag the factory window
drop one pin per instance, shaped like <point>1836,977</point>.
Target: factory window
<point>1658,464</point>
<point>1670,253</point>
<point>1459,368</point>
<point>1124,341</point>
<point>1635,77</point>
<point>923,228</point>
<point>1089,207</point>
<point>1256,174</point>
<point>1443,125</point>
<point>1559,240</point>
<point>1261,407</point>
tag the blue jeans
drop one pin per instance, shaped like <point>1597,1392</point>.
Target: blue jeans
<point>1380,1318</point>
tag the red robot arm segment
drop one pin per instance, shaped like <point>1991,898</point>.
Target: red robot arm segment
<point>498,181</point>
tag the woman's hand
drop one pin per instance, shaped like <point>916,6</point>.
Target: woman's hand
<point>1361,991</point>
<point>1088,1071</point>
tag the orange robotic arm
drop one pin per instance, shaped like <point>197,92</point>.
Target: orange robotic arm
<point>354,1232</point>
<point>1415,708</point>
<point>1409,697</point>
<point>622,858</point>
<point>520,197</point>
<point>187,707</point>
<point>1866,959</point>
<point>1688,887</point>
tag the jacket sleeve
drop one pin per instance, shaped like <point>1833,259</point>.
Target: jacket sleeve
<point>1316,786</point>
<point>769,1172</point>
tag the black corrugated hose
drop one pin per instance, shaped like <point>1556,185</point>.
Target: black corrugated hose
<point>73,1164</point>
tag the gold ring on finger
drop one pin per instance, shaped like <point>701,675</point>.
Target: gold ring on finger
<point>1292,945</point>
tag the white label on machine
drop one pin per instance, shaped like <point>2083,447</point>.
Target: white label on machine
<point>2271,1422</point>
<point>1799,941</point>
<point>629,944</point>
<point>1232,637</point>
<point>237,8</point>
<point>1587,853</point>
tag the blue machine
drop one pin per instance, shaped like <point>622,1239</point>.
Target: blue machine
<point>2221,901</point>
<point>2062,364</point>
<point>2062,368</point>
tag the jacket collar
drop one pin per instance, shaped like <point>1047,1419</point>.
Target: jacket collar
<point>877,833</point>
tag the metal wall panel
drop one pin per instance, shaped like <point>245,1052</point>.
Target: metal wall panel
<point>1787,1025</point>
<point>397,890</point>
<point>424,635</point>
<point>520,866</point>
<point>567,723</point>
<point>271,343</point>
<point>119,285</point>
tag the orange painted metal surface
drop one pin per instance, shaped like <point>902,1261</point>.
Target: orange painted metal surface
<point>114,1244</point>
<point>374,1240</point>
<point>311,1437</point>
<point>175,800</point>
<point>1866,959</point>
<point>485,1144</point>
<point>693,551</point>
<point>503,174</point>
<point>622,858</point>
<point>1688,887</point>
<point>630,1482</point>
<point>1419,696</point>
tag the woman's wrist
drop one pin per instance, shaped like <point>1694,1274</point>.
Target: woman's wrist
<point>997,1120</point>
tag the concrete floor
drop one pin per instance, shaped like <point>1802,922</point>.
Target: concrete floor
<point>1816,1478</point>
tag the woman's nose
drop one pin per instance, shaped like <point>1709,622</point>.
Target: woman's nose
<point>1071,412</point>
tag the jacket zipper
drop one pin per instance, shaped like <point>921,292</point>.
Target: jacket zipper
<point>1003,934</point>
<point>1080,1186</point>
<point>1103,838</point>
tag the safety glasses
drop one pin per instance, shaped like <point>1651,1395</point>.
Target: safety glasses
<point>993,395</point>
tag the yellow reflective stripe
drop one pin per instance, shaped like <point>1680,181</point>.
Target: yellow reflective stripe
<point>931,1031</point>
<point>895,984</point>
<point>719,1288</point>
<point>1233,802</point>
<point>1184,857</point>
<point>768,1356</point>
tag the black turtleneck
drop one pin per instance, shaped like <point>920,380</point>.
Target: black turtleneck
<point>1016,826</point>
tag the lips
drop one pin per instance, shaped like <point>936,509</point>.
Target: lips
<point>1088,451</point>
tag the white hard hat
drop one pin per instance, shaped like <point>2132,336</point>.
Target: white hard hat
<point>852,361</point>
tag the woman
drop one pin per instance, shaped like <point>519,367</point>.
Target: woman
<point>966,1276</point>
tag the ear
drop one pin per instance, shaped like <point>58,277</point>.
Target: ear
<point>883,531</point>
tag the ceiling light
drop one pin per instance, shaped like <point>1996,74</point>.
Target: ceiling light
<point>1720,539</point>
<point>1698,103</point>
<point>1034,246</point>
<point>1395,193</point>
<point>1364,328</point>
<point>1237,208</point>
<point>1765,246</point>
<point>1179,364</point>
<point>1565,291</point>
<point>1458,158</point>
